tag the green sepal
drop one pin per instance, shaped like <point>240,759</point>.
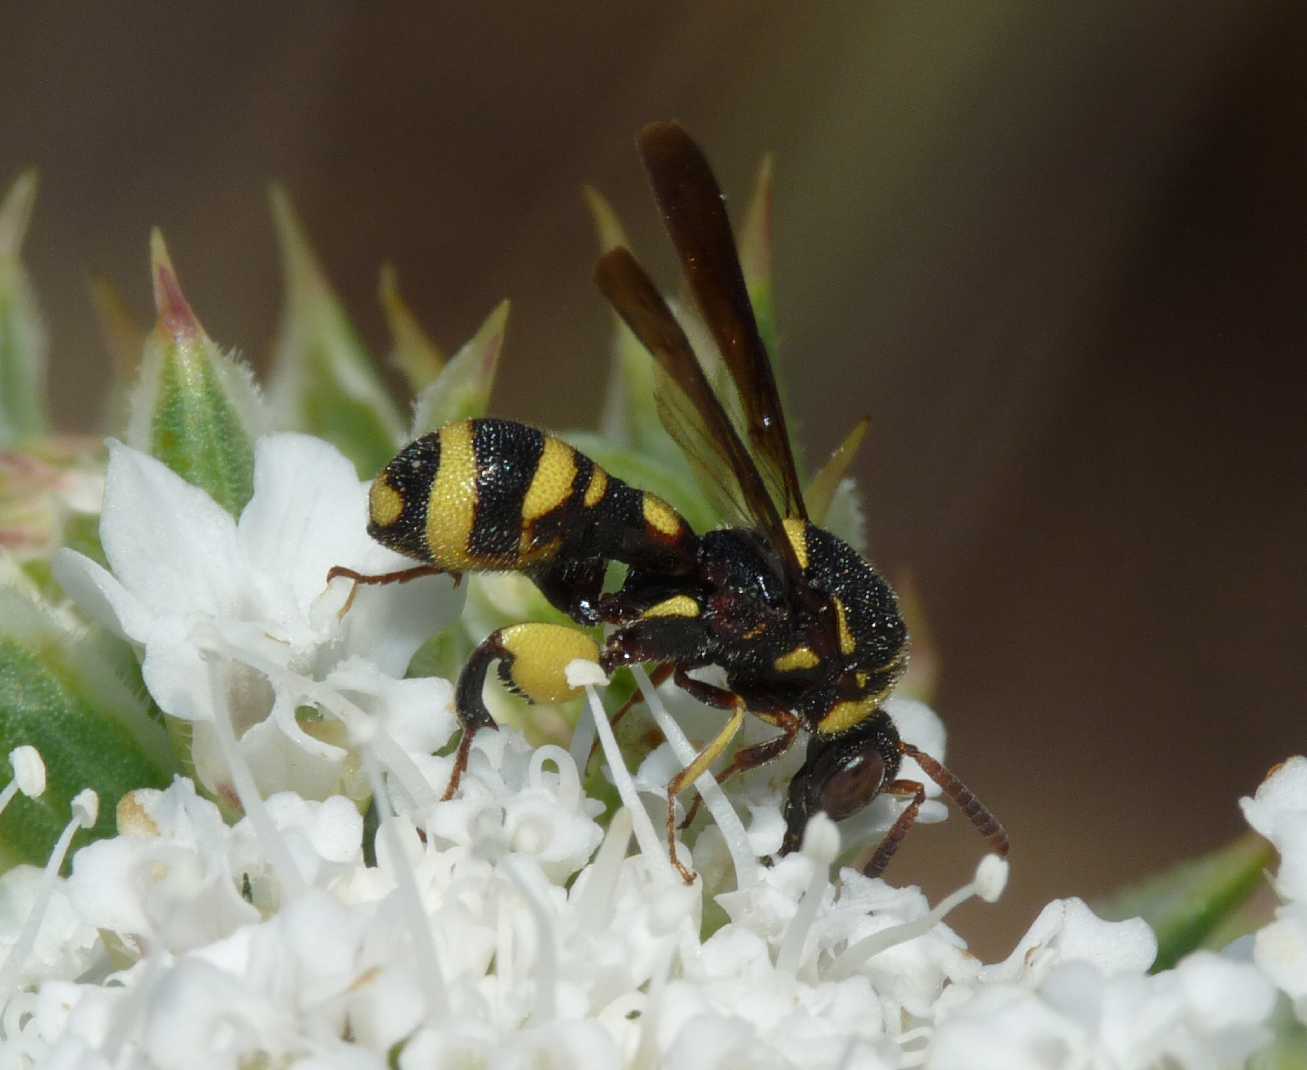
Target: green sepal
<point>61,693</point>
<point>412,350</point>
<point>1189,904</point>
<point>629,416</point>
<point>194,408</point>
<point>323,380</point>
<point>23,343</point>
<point>462,389</point>
<point>670,478</point>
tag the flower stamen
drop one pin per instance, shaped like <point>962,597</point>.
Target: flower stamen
<point>821,844</point>
<point>85,809</point>
<point>545,976</point>
<point>424,944</point>
<point>988,884</point>
<point>650,845</point>
<point>719,806</point>
<point>276,849</point>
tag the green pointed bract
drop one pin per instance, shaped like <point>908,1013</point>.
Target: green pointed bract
<point>124,340</point>
<point>755,246</point>
<point>629,416</point>
<point>194,408</point>
<point>23,346</point>
<point>412,350</point>
<point>323,380</point>
<point>462,389</point>
<point>1191,903</point>
<point>821,489</point>
<point>59,694</point>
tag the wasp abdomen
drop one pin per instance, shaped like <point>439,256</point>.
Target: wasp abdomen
<point>490,494</point>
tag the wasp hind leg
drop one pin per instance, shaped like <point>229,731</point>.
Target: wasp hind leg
<point>470,706</point>
<point>533,660</point>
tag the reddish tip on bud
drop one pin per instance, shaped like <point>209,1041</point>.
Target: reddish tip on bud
<point>176,317</point>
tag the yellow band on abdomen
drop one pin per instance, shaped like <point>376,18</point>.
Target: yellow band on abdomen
<point>452,506</point>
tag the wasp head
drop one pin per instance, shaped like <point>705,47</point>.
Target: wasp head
<point>841,774</point>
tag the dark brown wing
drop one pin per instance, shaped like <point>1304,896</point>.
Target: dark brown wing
<point>690,410</point>
<point>696,219</point>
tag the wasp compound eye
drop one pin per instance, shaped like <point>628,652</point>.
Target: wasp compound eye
<point>854,784</point>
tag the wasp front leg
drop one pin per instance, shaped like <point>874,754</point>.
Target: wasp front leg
<point>404,575</point>
<point>533,660</point>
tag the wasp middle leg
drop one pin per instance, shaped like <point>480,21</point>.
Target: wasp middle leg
<point>753,757</point>
<point>692,772</point>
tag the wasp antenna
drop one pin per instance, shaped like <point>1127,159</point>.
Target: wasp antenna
<point>985,823</point>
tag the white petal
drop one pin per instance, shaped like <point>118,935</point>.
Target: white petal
<point>1223,994</point>
<point>177,677</point>
<point>1115,947</point>
<point>1281,952</point>
<point>387,624</point>
<point>197,1000</point>
<point>309,512</point>
<point>919,725</point>
<point>1281,799</point>
<point>167,541</point>
<point>281,764</point>
<point>418,714</point>
<point>100,594</point>
<point>1279,812</point>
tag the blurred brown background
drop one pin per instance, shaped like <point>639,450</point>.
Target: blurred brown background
<point>1058,251</point>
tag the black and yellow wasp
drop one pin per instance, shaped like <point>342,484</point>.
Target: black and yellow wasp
<point>808,634</point>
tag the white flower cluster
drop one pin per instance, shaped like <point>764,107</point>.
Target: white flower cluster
<point>507,928</point>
